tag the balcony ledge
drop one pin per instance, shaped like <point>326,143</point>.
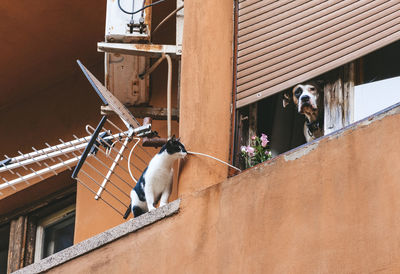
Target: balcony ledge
<point>102,239</point>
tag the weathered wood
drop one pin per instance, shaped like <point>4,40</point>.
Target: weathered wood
<point>29,255</point>
<point>253,110</point>
<point>339,98</point>
<point>242,135</point>
<point>141,112</point>
<point>349,80</point>
<point>16,249</point>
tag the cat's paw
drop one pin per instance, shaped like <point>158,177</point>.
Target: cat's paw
<point>151,209</point>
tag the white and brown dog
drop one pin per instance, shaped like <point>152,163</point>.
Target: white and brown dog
<point>308,99</point>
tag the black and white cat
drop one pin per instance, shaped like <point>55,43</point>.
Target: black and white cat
<point>156,181</point>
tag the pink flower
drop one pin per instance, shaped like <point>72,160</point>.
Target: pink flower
<point>268,153</point>
<point>264,140</point>
<point>254,137</point>
<point>250,151</point>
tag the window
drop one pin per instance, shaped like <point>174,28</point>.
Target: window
<point>55,233</point>
<point>351,92</point>
<point>376,96</point>
<point>37,230</point>
<point>4,240</point>
<point>379,84</point>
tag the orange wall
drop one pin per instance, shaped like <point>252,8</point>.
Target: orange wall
<point>329,207</point>
<point>93,217</point>
<point>44,94</point>
<point>206,93</point>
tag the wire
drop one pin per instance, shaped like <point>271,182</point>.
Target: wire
<point>209,156</point>
<point>108,149</point>
<point>166,18</point>
<point>129,158</point>
<point>139,10</point>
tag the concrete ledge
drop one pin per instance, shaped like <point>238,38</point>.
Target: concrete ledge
<point>306,148</point>
<point>102,239</point>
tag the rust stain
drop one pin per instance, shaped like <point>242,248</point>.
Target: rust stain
<point>148,47</point>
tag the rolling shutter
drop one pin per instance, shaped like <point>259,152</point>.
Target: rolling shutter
<point>282,43</point>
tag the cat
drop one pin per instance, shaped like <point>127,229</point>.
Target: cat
<point>156,181</point>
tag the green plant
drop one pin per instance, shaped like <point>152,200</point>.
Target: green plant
<point>257,152</point>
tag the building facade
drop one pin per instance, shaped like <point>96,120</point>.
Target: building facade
<point>320,207</point>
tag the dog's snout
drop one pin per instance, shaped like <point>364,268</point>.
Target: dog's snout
<point>305,98</point>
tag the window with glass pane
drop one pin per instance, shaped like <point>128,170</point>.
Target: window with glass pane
<point>59,236</point>
<point>55,233</point>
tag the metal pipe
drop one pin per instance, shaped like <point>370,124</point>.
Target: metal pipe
<point>169,87</point>
<point>103,164</point>
<point>111,169</point>
<point>34,149</point>
<point>89,147</point>
<point>153,67</point>
<point>49,153</point>
<point>108,156</point>
<point>116,151</point>
<point>39,172</point>
<point>42,151</point>
<point>114,125</point>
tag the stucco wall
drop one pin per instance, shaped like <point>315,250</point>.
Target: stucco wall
<point>93,217</point>
<point>44,94</point>
<point>328,207</point>
<point>206,95</point>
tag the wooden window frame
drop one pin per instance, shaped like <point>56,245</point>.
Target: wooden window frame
<point>23,223</point>
<point>44,223</point>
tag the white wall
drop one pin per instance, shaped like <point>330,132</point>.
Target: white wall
<point>373,97</point>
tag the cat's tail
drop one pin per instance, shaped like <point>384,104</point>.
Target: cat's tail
<point>127,212</point>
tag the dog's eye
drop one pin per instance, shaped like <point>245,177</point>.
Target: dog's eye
<point>312,88</point>
<point>298,92</point>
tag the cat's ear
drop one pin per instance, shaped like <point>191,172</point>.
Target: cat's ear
<point>178,139</point>
<point>171,139</point>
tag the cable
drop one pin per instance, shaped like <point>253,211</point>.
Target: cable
<point>139,10</point>
<point>166,18</point>
<point>129,158</point>
<point>108,149</point>
<point>209,156</point>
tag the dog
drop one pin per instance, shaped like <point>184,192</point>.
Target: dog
<point>308,100</point>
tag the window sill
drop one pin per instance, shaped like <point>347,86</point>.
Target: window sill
<point>102,239</point>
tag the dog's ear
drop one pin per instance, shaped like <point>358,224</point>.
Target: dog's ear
<point>286,98</point>
<point>320,84</point>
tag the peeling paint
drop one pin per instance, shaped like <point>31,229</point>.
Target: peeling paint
<point>301,152</point>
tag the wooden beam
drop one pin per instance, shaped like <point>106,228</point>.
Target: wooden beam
<point>141,112</point>
<point>339,98</point>
<point>253,117</point>
<point>348,92</point>
<point>16,249</point>
<point>30,241</point>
